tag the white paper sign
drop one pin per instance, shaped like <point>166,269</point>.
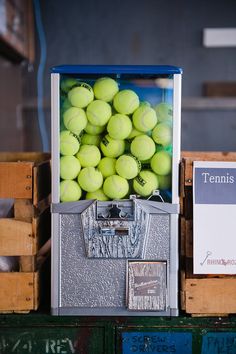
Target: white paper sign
<point>214,217</point>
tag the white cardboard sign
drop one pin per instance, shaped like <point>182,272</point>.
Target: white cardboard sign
<point>214,217</point>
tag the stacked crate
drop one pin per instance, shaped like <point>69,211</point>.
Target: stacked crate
<point>210,295</point>
<point>26,179</point>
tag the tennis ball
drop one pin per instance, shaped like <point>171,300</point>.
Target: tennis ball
<point>116,187</point>
<point>145,183</point>
<point>119,126</point>
<point>98,194</point>
<point>69,167</point>
<point>90,179</point>
<point>98,112</point>
<point>145,103</point>
<point>68,83</point>
<point>88,139</point>
<point>105,89</point>
<point>70,191</point>
<point>162,134</point>
<point>128,166</point>
<point>89,155</point>
<point>75,119</point>
<point>161,163</point>
<point>94,129</point>
<point>112,147</point>
<point>69,143</point>
<point>143,147</point>
<point>144,118</point>
<point>126,102</point>
<point>107,166</point>
<point>134,133</point>
<point>164,181</point>
<point>81,95</point>
<point>164,112</point>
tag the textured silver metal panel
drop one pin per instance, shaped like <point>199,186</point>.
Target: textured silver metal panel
<point>91,283</point>
<point>87,282</point>
<point>158,240</point>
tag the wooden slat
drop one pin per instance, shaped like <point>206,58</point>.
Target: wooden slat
<point>210,296</point>
<point>16,180</point>
<point>189,156</point>
<point>23,210</point>
<point>183,291</point>
<point>189,238</point>
<point>18,291</point>
<point>30,32</point>
<point>187,203</point>
<point>27,263</point>
<point>182,236</point>
<point>219,89</point>
<point>41,181</point>
<point>35,157</point>
<point>16,238</point>
<point>25,175</point>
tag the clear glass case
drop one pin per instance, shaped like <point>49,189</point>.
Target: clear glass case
<point>127,121</point>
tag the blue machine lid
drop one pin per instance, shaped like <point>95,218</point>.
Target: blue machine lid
<point>116,69</point>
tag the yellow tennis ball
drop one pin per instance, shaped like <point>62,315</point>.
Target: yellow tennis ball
<point>119,126</point>
<point>94,129</point>
<point>107,166</point>
<point>144,118</point>
<point>112,147</point>
<point>98,112</point>
<point>90,179</point>
<point>69,143</point>
<point>143,147</point>
<point>162,134</point>
<point>161,163</point>
<point>88,139</point>
<point>128,166</point>
<point>69,167</point>
<point>70,191</point>
<point>105,89</point>
<point>89,155</point>
<point>145,183</point>
<point>81,95</point>
<point>75,119</point>
<point>145,103</point>
<point>126,101</point>
<point>116,187</point>
<point>164,181</point>
<point>164,112</point>
<point>98,194</point>
<point>68,83</point>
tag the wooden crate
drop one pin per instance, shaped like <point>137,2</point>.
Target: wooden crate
<point>201,295</point>
<point>25,178</point>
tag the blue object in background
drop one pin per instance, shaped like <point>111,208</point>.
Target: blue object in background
<point>40,75</point>
<point>157,342</point>
<point>219,343</point>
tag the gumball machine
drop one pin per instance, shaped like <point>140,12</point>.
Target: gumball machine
<point>115,198</point>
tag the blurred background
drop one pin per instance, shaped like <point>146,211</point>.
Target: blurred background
<point>37,35</point>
